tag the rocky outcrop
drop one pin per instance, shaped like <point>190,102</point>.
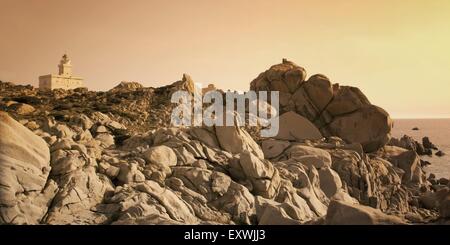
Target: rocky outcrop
<point>309,156</point>
<point>424,148</point>
<point>169,176</point>
<point>25,193</point>
<point>21,108</point>
<point>407,160</point>
<point>236,140</point>
<point>86,157</point>
<point>336,110</point>
<point>427,143</point>
<point>273,148</point>
<point>126,87</point>
<point>330,182</point>
<point>370,126</point>
<point>409,143</point>
<point>261,174</point>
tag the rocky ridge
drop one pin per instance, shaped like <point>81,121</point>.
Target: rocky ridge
<point>85,157</point>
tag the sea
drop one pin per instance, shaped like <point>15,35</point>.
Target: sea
<point>438,130</point>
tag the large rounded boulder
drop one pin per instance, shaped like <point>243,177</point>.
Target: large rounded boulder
<point>335,110</point>
<point>369,126</point>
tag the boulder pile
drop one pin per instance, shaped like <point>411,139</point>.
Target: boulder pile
<point>424,148</point>
<point>336,110</point>
<point>85,157</point>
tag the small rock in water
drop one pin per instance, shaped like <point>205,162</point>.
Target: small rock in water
<point>427,143</point>
<point>424,163</point>
<point>440,153</point>
<point>432,176</point>
<point>420,149</point>
<point>433,181</point>
<point>428,152</point>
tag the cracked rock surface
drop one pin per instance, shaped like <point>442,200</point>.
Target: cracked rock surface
<point>86,157</point>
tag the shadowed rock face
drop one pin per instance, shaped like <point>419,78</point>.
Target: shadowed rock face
<point>336,110</point>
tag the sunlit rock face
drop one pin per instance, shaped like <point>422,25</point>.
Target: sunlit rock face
<point>336,110</point>
<point>87,157</point>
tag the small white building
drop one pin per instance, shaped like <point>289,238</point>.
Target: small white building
<point>64,79</point>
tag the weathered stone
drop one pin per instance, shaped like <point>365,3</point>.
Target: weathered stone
<point>105,139</point>
<point>98,117</point>
<point>84,121</point>
<point>67,164</point>
<point>113,125</point>
<point>303,105</point>
<point>369,126</point>
<point>32,125</point>
<point>214,175</point>
<point>101,129</point>
<point>176,208</point>
<point>309,156</point>
<point>277,215</point>
<point>237,200</point>
<point>273,148</point>
<point>347,100</point>
<point>427,143</point>
<point>319,89</point>
<point>236,140</point>
<point>406,142</point>
<point>24,168</point>
<point>160,158</point>
<point>205,136</point>
<point>261,173</point>
<point>330,182</point>
<point>294,78</point>
<point>79,192</point>
<point>292,126</point>
<point>125,86</point>
<point>62,131</point>
<point>343,196</point>
<point>129,173</point>
<point>440,153</point>
<point>406,160</point>
<point>340,213</point>
<point>299,187</point>
<point>21,109</point>
<point>337,111</point>
<point>62,144</point>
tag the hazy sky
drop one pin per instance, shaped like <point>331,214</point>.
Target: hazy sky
<point>397,52</point>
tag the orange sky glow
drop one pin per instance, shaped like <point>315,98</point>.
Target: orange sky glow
<point>397,52</point>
